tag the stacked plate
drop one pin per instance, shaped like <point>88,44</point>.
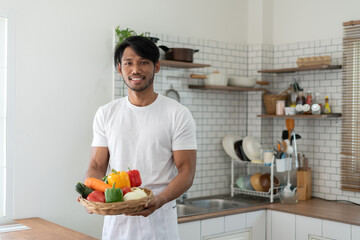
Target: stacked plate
<point>249,146</point>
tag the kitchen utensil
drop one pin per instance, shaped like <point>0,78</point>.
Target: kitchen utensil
<point>262,82</point>
<point>239,151</point>
<point>242,81</point>
<point>215,78</point>
<point>247,182</point>
<point>240,182</point>
<point>251,148</point>
<point>285,135</point>
<point>228,145</point>
<point>295,151</point>
<point>284,146</point>
<point>255,182</point>
<point>172,93</point>
<point>292,138</point>
<point>179,54</point>
<point>290,125</point>
<point>265,181</point>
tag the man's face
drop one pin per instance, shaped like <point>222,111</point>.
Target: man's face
<point>137,72</point>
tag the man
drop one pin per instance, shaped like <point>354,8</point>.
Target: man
<point>148,132</point>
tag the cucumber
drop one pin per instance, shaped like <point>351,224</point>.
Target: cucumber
<point>83,190</point>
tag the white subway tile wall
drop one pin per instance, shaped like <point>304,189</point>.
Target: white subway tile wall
<point>218,113</point>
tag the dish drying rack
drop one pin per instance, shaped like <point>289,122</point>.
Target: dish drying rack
<point>270,194</point>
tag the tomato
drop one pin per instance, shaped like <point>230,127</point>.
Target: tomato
<point>96,196</point>
<point>125,190</point>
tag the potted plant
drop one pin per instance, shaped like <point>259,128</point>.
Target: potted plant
<point>125,33</point>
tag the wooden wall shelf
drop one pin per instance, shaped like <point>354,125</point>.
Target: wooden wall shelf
<point>226,88</point>
<point>178,64</point>
<point>322,116</point>
<point>298,69</point>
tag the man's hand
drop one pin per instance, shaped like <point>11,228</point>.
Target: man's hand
<point>149,208</point>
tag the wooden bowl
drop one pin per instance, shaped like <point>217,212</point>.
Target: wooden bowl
<point>265,182</point>
<point>255,182</point>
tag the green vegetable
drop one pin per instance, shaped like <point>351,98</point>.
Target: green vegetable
<point>113,194</point>
<point>83,190</point>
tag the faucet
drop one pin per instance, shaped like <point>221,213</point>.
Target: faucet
<point>183,197</point>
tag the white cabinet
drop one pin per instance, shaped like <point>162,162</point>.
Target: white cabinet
<point>336,230</point>
<point>306,226</point>
<point>355,232</point>
<point>290,226</point>
<point>235,222</point>
<point>251,225</point>
<point>282,226</point>
<point>212,226</point>
<point>190,230</point>
<point>257,222</point>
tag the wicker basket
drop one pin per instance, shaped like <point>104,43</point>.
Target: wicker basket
<point>270,101</point>
<point>117,208</point>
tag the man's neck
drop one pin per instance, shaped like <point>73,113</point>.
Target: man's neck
<point>142,98</point>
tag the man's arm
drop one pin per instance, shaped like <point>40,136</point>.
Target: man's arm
<point>185,161</point>
<point>99,159</point>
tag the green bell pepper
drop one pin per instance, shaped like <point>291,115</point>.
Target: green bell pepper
<point>113,194</point>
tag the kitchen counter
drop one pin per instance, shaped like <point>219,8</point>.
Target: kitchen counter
<point>316,208</point>
<point>43,230</point>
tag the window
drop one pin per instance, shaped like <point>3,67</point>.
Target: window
<point>7,55</point>
<point>350,139</point>
<point>3,91</point>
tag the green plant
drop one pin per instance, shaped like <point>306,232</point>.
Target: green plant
<point>125,33</point>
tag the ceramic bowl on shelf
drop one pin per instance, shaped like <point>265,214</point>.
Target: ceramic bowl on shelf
<point>252,148</point>
<point>228,144</point>
<point>242,81</point>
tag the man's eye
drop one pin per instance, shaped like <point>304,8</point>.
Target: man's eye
<point>144,62</point>
<point>127,63</point>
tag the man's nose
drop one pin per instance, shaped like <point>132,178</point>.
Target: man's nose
<point>136,69</point>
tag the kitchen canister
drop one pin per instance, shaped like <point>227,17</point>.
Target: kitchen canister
<point>283,164</point>
<point>268,155</point>
<point>280,107</point>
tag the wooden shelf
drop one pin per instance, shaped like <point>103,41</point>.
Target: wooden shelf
<point>322,116</point>
<point>298,69</point>
<point>227,88</point>
<point>178,64</point>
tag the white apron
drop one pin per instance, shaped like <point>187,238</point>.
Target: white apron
<point>160,225</point>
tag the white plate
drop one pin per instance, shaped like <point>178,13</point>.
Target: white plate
<point>251,148</point>
<point>228,145</point>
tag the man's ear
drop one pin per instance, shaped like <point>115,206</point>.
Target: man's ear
<point>119,68</point>
<point>157,67</point>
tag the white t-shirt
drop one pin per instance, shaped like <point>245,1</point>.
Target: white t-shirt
<point>143,138</point>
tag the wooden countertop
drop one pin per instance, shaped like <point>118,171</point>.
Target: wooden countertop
<point>317,208</point>
<point>43,230</point>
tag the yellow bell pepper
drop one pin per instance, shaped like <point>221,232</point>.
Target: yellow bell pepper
<point>121,179</point>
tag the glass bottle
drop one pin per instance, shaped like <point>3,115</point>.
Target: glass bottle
<point>327,109</point>
<point>300,101</point>
<point>309,101</point>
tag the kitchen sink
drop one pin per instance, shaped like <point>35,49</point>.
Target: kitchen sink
<point>214,204</point>
<point>196,206</point>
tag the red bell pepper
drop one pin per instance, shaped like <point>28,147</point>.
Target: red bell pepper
<point>96,196</point>
<point>135,179</point>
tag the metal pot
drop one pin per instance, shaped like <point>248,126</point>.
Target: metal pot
<point>178,54</point>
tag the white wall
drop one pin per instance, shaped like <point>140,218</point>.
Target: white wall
<point>64,73</point>
<point>307,20</point>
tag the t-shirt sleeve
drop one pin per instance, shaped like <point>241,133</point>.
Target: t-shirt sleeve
<point>99,138</point>
<point>184,137</point>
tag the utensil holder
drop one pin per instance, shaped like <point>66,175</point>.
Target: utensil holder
<point>283,164</point>
<point>304,184</point>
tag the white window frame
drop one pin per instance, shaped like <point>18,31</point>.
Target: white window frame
<point>10,121</point>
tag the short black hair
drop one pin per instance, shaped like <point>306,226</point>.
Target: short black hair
<point>143,46</point>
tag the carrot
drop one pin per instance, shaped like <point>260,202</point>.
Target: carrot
<point>96,184</point>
